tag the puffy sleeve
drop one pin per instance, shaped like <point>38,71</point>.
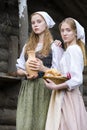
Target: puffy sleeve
<point>21,60</point>
<point>75,66</point>
<point>57,53</point>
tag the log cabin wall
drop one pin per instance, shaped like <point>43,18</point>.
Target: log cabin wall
<point>8,35</point>
<point>9,86</point>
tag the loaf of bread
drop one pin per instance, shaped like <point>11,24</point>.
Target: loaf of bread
<point>52,72</point>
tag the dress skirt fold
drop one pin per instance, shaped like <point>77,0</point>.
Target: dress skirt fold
<point>73,112</point>
<point>68,106</point>
<point>33,102</point>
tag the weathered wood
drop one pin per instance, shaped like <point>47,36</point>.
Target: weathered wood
<point>13,54</point>
<point>7,127</point>
<point>3,55</point>
<point>3,66</point>
<point>9,89</point>
<point>9,30</point>
<point>9,102</point>
<point>5,80</point>
<point>23,23</point>
<point>3,42</point>
<point>7,116</point>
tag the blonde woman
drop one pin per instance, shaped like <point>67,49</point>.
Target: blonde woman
<point>67,110</point>
<point>33,100</point>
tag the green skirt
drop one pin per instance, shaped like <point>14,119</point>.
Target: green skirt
<point>33,102</point>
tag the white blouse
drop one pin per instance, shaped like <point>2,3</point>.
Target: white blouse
<point>57,53</point>
<point>72,62</point>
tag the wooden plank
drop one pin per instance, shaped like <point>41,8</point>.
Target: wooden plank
<point>7,127</point>
<point>6,80</point>
<point>7,116</point>
<point>9,78</point>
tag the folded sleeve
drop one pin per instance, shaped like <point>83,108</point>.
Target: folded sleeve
<point>21,61</point>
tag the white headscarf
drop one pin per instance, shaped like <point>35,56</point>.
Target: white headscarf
<point>80,31</point>
<point>50,22</point>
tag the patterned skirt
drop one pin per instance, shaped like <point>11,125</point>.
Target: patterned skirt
<point>32,107</point>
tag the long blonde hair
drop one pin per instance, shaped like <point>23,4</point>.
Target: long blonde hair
<point>71,22</point>
<point>34,39</point>
<point>82,46</point>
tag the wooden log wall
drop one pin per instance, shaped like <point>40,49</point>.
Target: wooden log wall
<point>9,89</point>
<point>3,54</point>
<point>9,85</point>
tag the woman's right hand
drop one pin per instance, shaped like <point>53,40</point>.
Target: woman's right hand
<point>37,65</point>
<point>50,84</point>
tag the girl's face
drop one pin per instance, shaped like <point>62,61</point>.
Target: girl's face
<point>67,33</point>
<point>38,24</point>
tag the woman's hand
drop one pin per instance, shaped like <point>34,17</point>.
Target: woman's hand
<point>31,77</point>
<point>58,43</point>
<point>50,84</point>
<point>21,72</point>
<point>37,65</point>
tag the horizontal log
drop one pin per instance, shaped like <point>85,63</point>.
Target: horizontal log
<point>7,117</point>
<point>7,127</point>
<point>9,93</point>
<point>9,30</point>
<point>8,101</point>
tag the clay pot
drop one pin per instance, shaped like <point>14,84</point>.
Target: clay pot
<point>31,55</point>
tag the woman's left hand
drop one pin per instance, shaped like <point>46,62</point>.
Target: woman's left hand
<point>58,43</point>
<point>50,84</point>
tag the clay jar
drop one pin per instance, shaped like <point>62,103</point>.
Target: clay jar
<point>31,55</point>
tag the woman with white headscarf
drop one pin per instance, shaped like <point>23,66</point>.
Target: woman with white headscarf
<point>33,99</point>
<point>67,110</point>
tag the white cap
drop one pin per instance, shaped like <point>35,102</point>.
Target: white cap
<point>80,31</point>
<point>50,22</point>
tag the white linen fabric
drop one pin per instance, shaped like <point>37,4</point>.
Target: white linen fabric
<point>80,31</point>
<point>21,60</point>
<point>50,22</point>
<point>72,62</point>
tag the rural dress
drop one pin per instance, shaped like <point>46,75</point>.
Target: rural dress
<point>34,97</point>
<point>66,108</point>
